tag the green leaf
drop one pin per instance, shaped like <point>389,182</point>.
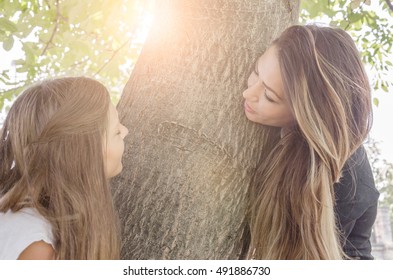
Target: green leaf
<point>376,101</point>
<point>6,24</point>
<point>5,74</point>
<point>342,3</point>
<point>355,4</point>
<point>355,17</point>
<point>8,43</point>
<point>19,62</point>
<point>314,9</point>
<point>31,52</point>
<point>344,24</point>
<point>376,86</point>
<point>379,55</point>
<point>384,87</point>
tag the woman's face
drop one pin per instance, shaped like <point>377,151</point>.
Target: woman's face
<point>114,143</point>
<point>265,102</point>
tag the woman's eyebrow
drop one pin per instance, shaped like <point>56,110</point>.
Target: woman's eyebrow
<point>272,90</point>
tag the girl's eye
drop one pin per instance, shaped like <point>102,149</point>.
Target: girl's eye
<point>118,133</point>
<point>268,98</point>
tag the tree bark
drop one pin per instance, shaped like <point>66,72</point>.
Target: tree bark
<point>191,151</point>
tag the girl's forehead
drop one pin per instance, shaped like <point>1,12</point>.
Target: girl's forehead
<point>113,115</point>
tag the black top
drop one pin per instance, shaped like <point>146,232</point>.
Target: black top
<point>356,205</point>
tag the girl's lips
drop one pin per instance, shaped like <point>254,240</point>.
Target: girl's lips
<point>248,108</point>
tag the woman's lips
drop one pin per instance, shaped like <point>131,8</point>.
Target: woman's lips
<point>248,108</point>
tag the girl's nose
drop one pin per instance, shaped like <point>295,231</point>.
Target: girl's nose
<point>125,131</point>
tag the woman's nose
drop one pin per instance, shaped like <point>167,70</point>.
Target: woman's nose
<point>251,94</point>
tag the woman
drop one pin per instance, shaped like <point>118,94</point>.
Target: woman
<point>308,200</point>
<point>61,142</point>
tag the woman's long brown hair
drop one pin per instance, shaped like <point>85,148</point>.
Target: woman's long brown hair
<point>292,196</point>
<point>51,151</point>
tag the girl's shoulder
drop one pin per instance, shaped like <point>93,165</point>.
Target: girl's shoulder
<point>20,229</point>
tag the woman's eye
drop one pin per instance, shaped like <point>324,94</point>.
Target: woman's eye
<point>268,98</point>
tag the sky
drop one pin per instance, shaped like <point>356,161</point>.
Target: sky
<point>382,125</point>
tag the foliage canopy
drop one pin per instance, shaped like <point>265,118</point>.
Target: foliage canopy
<point>96,38</point>
<point>370,25</point>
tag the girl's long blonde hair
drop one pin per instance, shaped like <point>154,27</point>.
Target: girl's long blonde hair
<point>292,196</point>
<point>51,151</point>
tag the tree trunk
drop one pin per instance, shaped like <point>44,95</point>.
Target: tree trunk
<point>191,151</point>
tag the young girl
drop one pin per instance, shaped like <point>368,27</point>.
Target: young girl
<point>313,197</point>
<point>61,142</point>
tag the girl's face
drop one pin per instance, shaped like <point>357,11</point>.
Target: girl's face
<point>114,143</point>
<point>265,102</point>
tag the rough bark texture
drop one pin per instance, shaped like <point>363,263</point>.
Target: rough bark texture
<point>191,151</point>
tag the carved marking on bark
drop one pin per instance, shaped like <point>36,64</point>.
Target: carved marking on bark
<point>176,134</point>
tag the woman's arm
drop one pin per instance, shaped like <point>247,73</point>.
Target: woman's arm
<point>356,206</point>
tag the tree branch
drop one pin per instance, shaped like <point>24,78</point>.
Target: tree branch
<point>47,2</point>
<point>390,5</point>
<point>79,62</point>
<point>54,29</point>
<point>112,57</point>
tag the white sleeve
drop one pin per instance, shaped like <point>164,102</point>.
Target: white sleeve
<point>19,230</point>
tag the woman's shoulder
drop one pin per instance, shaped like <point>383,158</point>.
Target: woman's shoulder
<point>361,170</point>
<point>20,229</point>
<point>357,181</point>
